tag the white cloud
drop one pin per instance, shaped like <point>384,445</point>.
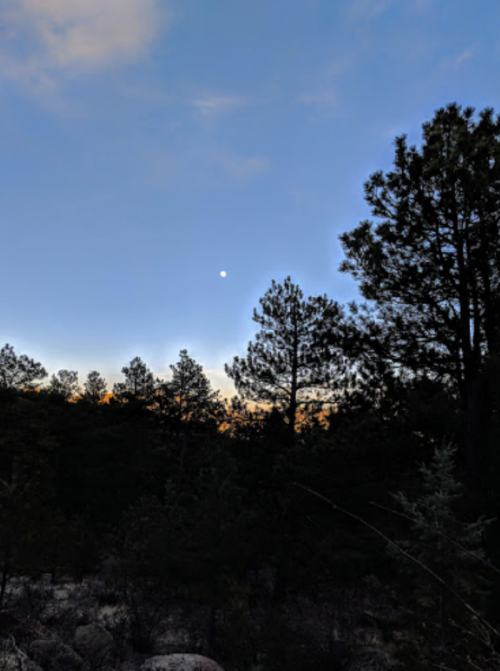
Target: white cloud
<point>46,38</point>
<point>368,9</point>
<point>454,63</point>
<point>464,56</point>
<point>212,105</point>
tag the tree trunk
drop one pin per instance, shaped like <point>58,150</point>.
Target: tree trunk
<point>475,447</point>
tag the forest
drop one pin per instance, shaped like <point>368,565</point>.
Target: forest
<point>360,457</point>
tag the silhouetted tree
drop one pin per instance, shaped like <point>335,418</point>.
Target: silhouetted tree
<point>432,264</point>
<point>65,384</point>
<point>451,548</point>
<point>139,382</point>
<point>294,360</point>
<point>19,372</point>
<point>191,391</point>
<point>185,402</point>
<point>95,387</point>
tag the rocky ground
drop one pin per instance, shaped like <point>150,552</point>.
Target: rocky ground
<point>91,626</point>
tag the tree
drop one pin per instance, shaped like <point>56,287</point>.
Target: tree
<point>191,391</point>
<point>19,372</point>
<point>27,507</point>
<point>95,387</point>
<point>185,401</point>
<point>431,266</point>
<point>449,547</point>
<point>139,382</point>
<point>294,359</point>
<point>65,384</point>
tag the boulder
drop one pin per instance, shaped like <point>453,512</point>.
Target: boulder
<point>92,640</point>
<point>29,666</point>
<point>180,662</point>
<point>53,656</point>
<point>14,659</point>
<point>372,660</point>
<point>12,662</point>
<point>175,640</point>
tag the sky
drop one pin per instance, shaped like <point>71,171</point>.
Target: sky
<point>148,145</point>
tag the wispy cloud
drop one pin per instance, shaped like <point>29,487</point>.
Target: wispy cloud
<point>201,166</point>
<point>324,102</point>
<point>214,105</point>
<point>464,56</point>
<point>422,5</point>
<point>368,9</point>
<point>323,95</point>
<point>365,10</point>
<point>456,62</point>
<point>47,38</point>
<point>243,168</point>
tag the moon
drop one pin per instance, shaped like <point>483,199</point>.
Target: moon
<point>223,273</point>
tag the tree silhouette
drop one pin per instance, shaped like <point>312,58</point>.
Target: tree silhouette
<point>431,265</point>
<point>295,358</point>
<point>95,387</point>
<point>191,391</point>
<point>65,384</point>
<point>448,546</point>
<point>19,372</point>
<point>185,402</point>
<point>139,382</point>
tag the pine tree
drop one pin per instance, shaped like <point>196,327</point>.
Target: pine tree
<point>139,382</point>
<point>430,265</point>
<point>18,372</point>
<point>449,547</point>
<point>192,397</point>
<point>95,387</point>
<point>295,358</point>
<point>65,384</point>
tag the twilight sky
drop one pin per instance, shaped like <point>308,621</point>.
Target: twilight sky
<point>147,145</point>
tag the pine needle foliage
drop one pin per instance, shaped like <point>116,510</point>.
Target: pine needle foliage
<point>452,549</point>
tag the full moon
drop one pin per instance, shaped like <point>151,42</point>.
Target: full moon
<point>223,273</point>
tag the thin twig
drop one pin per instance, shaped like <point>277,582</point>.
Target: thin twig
<point>470,662</point>
<point>423,566</point>
<point>440,533</point>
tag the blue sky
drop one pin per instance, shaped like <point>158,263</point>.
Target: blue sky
<point>146,145</point>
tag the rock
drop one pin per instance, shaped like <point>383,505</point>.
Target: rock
<point>30,666</point>
<point>180,662</point>
<point>15,659</point>
<point>174,640</point>
<point>91,640</point>
<point>53,656</point>
<point>372,660</point>
<point>16,663</point>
